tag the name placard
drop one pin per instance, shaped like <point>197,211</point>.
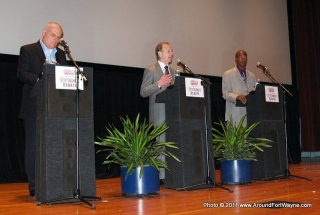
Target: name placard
<point>272,94</point>
<point>194,87</point>
<point>66,78</point>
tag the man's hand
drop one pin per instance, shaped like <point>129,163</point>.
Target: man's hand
<point>242,98</point>
<point>165,80</point>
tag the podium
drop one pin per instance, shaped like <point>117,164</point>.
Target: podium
<point>273,161</point>
<point>190,124</point>
<point>56,153</point>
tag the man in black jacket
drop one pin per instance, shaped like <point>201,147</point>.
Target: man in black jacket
<point>30,69</point>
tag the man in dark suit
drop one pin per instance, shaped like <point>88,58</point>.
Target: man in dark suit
<point>156,79</point>
<point>30,69</point>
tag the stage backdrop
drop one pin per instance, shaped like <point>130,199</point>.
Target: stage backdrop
<point>205,34</point>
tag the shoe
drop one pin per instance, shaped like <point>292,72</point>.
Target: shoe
<point>162,181</point>
<point>32,193</point>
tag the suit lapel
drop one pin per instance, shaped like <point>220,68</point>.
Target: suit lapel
<point>159,70</point>
<point>39,52</point>
<point>237,73</point>
<point>60,57</point>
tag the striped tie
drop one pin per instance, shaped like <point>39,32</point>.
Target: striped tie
<point>243,75</point>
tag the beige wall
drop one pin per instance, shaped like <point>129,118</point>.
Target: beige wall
<point>205,34</point>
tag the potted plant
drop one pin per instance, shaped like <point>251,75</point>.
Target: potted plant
<point>137,151</point>
<point>235,150</point>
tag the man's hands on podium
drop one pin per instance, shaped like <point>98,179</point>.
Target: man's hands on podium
<point>165,80</point>
<point>242,98</point>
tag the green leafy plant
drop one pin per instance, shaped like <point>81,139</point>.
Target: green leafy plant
<point>136,146</point>
<point>234,142</point>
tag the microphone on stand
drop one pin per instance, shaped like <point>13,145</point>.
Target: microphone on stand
<point>63,43</point>
<point>264,67</point>
<point>185,67</point>
<point>183,64</point>
<point>66,49</point>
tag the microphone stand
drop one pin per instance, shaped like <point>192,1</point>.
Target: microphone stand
<point>67,51</point>
<point>209,181</point>
<point>287,174</point>
<point>77,193</point>
<point>187,70</point>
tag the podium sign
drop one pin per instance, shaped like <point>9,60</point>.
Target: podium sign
<point>66,78</point>
<point>264,107</point>
<point>56,152</point>
<point>190,124</point>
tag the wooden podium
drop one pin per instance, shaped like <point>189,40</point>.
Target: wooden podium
<point>56,152</point>
<point>190,124</point>
<point>273,161</point>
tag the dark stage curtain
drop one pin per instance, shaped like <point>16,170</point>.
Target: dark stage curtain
<point>11,128</point>
<point>116,93</point>
<point>306,34</point>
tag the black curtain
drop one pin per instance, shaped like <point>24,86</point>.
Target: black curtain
<point>116,93</point>
<point>11,128</point>
<point>304,22</point>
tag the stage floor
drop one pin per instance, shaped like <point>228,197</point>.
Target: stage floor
<point>285,196</point>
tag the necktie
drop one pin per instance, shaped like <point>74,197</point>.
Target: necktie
<point>166,70</point>
<point>243,75</point>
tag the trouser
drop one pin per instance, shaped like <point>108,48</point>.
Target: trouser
<point>30,147</point>
<point>162,173</point>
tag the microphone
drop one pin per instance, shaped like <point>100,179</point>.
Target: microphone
<point>183,64</point>
<point>64,43</point>
<point>264,67</point>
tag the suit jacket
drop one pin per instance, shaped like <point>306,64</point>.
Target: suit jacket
<point>232,86</point>
<point>30,66</point>
<point>149,88</point>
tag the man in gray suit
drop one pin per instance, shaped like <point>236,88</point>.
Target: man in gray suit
<point>156,79</point>
<point>236,84</point>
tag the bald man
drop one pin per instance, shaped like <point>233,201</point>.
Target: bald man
<point>30,69</point>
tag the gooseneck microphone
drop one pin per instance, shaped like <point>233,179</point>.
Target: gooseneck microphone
<point>264,67</point>
<point>183,64</point>
<point>64,43</point>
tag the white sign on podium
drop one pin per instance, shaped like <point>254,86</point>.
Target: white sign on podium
<point>272,94</point>
<point>66,78</point>
<point>194,87</point>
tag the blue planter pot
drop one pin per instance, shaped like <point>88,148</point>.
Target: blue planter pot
<point>134,185</point>
<point>235,171</point>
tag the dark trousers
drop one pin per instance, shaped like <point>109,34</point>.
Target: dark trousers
<point>30,127</point>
